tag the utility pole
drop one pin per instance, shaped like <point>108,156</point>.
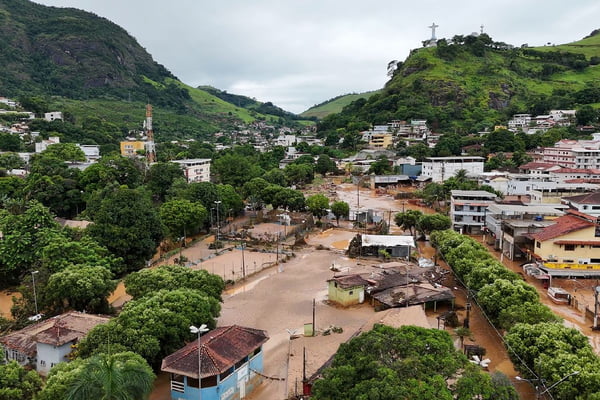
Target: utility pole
<point>243,261</point>
<point>313,320</point>
<point>466,322</point>
<point>596,292</point>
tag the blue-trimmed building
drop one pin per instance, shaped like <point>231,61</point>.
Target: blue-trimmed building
<point>231,363</point>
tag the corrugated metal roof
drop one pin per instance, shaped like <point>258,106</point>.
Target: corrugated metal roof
<point>387,240</point>
<point>220,349</point>
<point>349,281</point>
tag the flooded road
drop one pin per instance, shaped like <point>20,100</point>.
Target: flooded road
<point>6,302</point>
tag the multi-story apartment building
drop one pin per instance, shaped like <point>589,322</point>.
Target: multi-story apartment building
<point>468,210</point>
<point>196,169</point>
<point>442,168</point>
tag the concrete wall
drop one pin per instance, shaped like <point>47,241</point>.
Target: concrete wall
<point>48,356</point>
<point>345,297</point>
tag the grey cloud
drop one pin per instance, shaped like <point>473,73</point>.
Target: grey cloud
<point>299,53</point>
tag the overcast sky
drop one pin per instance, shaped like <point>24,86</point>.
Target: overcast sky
<point>297,53</point>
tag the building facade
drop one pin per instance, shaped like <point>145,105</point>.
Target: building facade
<point>196,169</point>
<point>130,148</point>
<point>441,168</point>
<point>468,209</point>
<point>230,361</point>
<point>572,243</point>
<point>347,290</point>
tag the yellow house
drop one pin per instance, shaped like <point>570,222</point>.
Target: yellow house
<point>129,149</point>
<point>347,290</point>
<point>381,140</point>
<point>573,242</point>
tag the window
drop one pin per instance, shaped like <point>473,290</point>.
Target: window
<point>351,292</point>
<point>538,244</point>
<point>569,247</point>
<point>211,381</point>
<point>43,362</point>
<point>226,374</point>
<point>241,362</point>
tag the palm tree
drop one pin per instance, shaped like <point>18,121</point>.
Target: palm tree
<point>461,175</point>
<point>121,376</point>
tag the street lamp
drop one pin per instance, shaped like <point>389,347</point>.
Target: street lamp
<point>218,203</point>
<point>538,392</point>
<point>199,330</point>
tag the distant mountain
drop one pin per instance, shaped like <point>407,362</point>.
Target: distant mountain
<point>335,105</point>
<point>469,83</point>
<point>252,104</point>
<point>88,66</point>
<point>72,53</point>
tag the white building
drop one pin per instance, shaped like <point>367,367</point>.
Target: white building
<point>195,170</point>
<point>519,122</point>
<point>43,145</point>
<point>48,342</point>
<point>54,115</point>
<point>586,203</point>
<point>285,140</point>
<point>441,168</point>
<point>468,209</point>
<point>91,151</point>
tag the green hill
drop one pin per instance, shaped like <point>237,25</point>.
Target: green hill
<point>471,82</point>
<point>335,105</point>
<point>87,66</point>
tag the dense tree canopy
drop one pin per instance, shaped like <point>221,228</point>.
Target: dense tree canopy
<point>154,325</point>
<point>172,277</point>
<point>18,383</point>
<point>407,363</point>
<point>128,225</point>
<point>80,287</point>
<point>182,217</point>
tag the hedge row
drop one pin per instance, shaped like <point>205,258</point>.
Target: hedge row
<point>539,345</point>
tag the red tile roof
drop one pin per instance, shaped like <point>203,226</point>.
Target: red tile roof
<point>563,225</point>
<point>220,349</point>
<point>577,171</point>
<point>538,165</point>
<point>588,198</point>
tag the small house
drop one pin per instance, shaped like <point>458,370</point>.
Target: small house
<point>228,362</point>
<point>347,290</point>
<point>49,342</point>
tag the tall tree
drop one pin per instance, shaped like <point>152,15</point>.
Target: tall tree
<point>408,220</point>
<point>317,204</point>
<point>82,288</point>
<point>160,178</point>
<point>182,217</point>
<point>128,225</point>
<point>171,277</point>
<point>340,209</point>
